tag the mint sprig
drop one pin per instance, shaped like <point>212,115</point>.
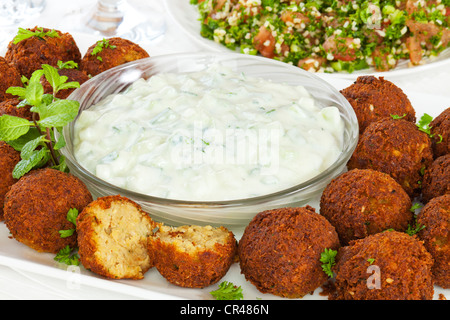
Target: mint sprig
<point>35,139</point>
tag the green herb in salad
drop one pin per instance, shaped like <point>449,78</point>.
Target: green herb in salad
<point>328,35</point>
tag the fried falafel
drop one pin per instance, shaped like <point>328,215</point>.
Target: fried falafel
<point>10,78</point>
<point>376,98</point>
<point>193,256</point>
<point>435,217</point>
<point>108,53</point>
<point>362,202</point>
<point>436,179</point>
<point>390,265</point>
<point>45,47</point>
<point>8,160</point>
<point>396,147</point>
<point>280,250</point>
<point>10,107</point>
<point>112,238</point>
<point>440,131</point>
<point>36,208</point>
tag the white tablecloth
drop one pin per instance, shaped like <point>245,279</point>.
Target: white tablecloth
<point>19,284</point>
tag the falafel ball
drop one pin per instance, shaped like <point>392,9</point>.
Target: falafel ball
<point>440,129</point>
<point>36,208</point>
<point>112,238</point>
<point>376,98</point>
<point>46,47</point>
<point>108,53</point>
<point>362,202</point>
<point>280,251</point>
<point>9,157</point>
<point>10,78</point>
<point>390,265</point>
<point>73,75</point>
<point>435,216</point>
<point>396,147</point>
<point>10,107</point>
<point>436,179</point>
<point>192,256</point>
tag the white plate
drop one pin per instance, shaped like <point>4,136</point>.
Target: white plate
<point>18,256</point>
<point>187,17</point>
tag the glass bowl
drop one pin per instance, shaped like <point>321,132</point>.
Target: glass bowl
<point>231,212</point>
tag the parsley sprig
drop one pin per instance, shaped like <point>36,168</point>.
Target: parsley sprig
<point>69,255</point>
<point>23,34</point>
<point>328,259</point>
<point>228,291</point>
<point>35,139</point>
<point>424,125</point>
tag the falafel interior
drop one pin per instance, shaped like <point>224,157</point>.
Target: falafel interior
<point>112,238</point>
<point>191,255</point>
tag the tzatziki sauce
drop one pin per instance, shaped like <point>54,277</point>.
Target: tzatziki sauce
<point>209,135</point>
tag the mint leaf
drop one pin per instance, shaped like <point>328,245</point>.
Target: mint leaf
<point>29,147</point>
<point>25,165</point>
<point>12,127</point>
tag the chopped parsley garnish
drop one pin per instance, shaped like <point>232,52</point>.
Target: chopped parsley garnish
<point>100,45</point>
<point>23,34</point>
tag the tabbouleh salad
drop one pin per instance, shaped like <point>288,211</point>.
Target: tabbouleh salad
<point>330,35</point>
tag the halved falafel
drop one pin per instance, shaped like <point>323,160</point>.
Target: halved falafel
<point>396,147</point>
<point>192,256</point>
<point>390,265</point>
<point>376,98</point>
<point>361,202</point>
<point>112,238</point>
<point>36,208</point>
<point>435,217</point>
<point>280,250</point>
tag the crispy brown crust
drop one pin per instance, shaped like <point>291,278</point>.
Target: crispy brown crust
<point>28,55</point>
<point>9,107</point>
<point>436,180</point>
<point>198,269</point>
<point>404,269</point>
<point>395,147</point>
<point>8,160</point>
<point>435,216</point>
<point>361,202</point>
<point>280,251</point>
<point>10,78</point>
<point>124,51</point>
<point>90,223</point>
<point>440,128</point>
<point>376,98</point>
<point>36,208</point>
